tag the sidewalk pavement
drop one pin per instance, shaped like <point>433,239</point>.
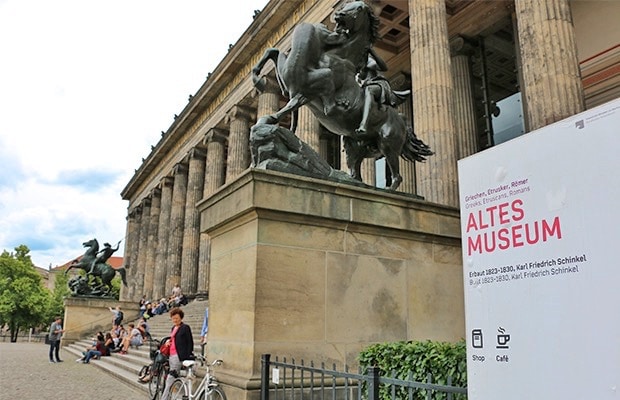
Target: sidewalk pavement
<point>26,373</point>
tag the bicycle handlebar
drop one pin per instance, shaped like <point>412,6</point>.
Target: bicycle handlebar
<point>203,360</point>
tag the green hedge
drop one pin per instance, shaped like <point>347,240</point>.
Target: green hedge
<point>415,360</point>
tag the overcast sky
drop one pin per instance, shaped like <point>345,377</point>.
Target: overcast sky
<point>86,87</point>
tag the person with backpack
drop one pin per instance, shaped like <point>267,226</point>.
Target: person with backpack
<point>118,316</point>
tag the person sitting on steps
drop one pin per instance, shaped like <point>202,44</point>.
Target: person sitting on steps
<point>97,350</point>
<point>134,338</point>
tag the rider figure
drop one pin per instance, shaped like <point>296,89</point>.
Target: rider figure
<point>339,38</point>
<point>103,255</point>
<point>377,90</point>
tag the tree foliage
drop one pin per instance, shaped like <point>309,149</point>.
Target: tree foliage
<point>116,287</point>
<point>24,302</point>
<point>61,290</point>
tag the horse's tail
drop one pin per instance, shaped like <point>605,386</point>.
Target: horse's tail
<point>123,275</point>
<point>259,82</point>
<point>414,149</point>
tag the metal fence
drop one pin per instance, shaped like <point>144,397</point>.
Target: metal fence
<point>292,381</point>
<point>23,337</point>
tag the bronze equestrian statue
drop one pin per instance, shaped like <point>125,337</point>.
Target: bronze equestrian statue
<point>97,267</point>
<point>320,72</point>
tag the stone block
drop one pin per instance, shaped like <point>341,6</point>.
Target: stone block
<point>316,270</point>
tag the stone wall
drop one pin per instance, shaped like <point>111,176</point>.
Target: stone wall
<point>305,268</point>
<point>84,316</point>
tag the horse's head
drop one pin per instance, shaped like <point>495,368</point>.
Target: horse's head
<point>91,243</point>
<point>92,247</point>
<point>356,17</point>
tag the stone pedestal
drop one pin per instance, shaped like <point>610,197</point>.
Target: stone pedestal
<point>85,316</point>
<point>309,269</point>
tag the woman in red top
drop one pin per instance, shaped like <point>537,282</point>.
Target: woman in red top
<point>181,347</point>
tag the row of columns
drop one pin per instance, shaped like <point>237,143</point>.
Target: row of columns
<point>164,243</point>
<point>164,246</point>
<point>442,102</point>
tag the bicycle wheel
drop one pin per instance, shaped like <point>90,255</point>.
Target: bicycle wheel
<point>213,393</point>
<point>178,390</point>
<point>144,371</point>
<point>157,384</point>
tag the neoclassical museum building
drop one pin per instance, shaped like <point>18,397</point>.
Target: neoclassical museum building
<point>480,73</point>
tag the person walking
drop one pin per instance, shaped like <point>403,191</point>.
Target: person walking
<point>181,346</point>
<point>55,334</point>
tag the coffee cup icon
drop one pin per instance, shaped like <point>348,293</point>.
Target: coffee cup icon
<point>502,339</point>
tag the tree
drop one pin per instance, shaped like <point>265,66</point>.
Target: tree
<point>61,290</point>
<point>24,302</point>
<point>116,287</point>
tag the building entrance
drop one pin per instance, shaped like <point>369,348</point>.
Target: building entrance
<point>497,92</point>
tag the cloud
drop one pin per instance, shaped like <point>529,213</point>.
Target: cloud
<point>87,180</point>
<point>53,220</point>
<point>86,90</point>
<point>11,170</point>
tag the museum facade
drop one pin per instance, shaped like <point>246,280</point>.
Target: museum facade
<point>480,73</point>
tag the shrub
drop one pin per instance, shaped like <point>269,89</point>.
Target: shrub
<point>413,361</point>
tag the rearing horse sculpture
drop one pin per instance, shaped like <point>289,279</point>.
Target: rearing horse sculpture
<point>101,270</point>
<point>320,72</point>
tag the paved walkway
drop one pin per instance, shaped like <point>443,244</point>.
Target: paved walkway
<point>25,373</point>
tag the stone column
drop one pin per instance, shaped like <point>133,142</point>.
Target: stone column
<point>216,159</point>
<point>308,128</point>
<point>215,140</point>
<point>142,249</point>
<point>133,255</point>
<point>324,147</point>
<point>204,261</point>
<point>191,231</point>
<point>464,110</point>
<point>151,252</point>
<point>269,98</point>
<point>238,142</point>
<point>552,85</point>
<point>369,171</point>
<point>131,234</point>
<point>407,168</point>
<point>433,106</point>
<point>163,230</point>
<point>177,221</point>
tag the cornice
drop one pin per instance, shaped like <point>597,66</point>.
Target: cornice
<point>273,23</point>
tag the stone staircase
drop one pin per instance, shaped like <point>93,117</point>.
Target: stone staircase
<point>126,367</point>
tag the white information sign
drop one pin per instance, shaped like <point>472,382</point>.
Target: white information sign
<point>540,223</point>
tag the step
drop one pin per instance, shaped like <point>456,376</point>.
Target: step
<point>138,356</point>
<point>125,371</point>
<point>126,367</point>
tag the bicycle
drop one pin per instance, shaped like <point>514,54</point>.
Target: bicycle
<point>157,383</point>
<point>156,372</point>
<point>209,389</point>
